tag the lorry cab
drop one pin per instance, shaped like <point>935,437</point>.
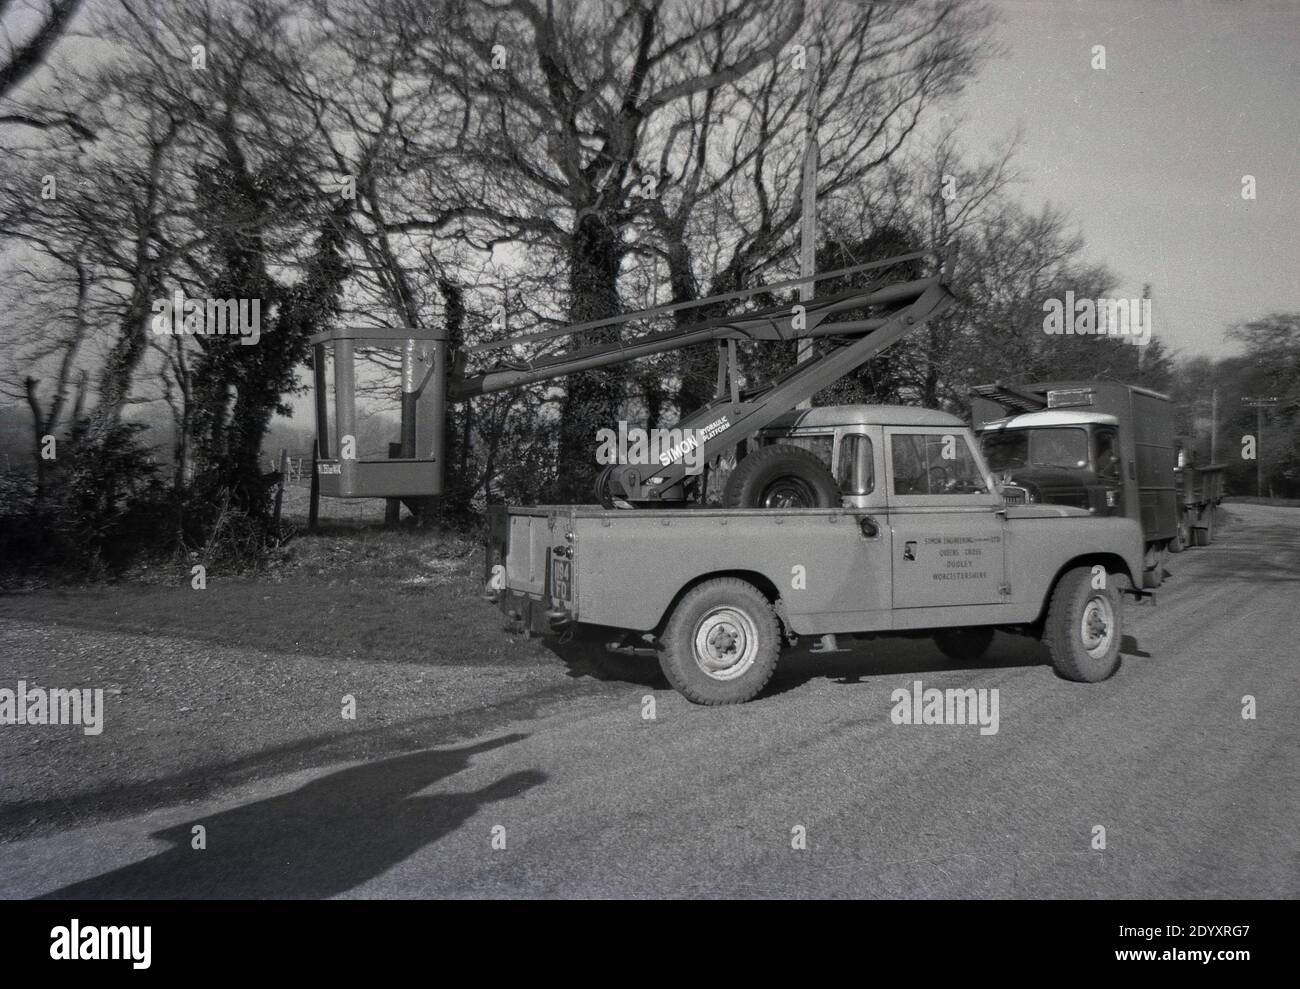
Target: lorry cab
<point>1102,446</point>
<point>1060,457</point>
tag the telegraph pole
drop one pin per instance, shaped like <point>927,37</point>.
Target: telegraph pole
<point>1214,425</point>
<point>1259,404</point>
<point>808,217</point>
<point>1151,329</point>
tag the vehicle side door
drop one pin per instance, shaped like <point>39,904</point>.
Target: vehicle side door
<point>860,473</point>
<point>947,532</point>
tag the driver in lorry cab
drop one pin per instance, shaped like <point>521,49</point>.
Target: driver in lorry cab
<point>1107,457</point>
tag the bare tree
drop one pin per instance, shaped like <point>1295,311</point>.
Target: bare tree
<point>19,59</point>
<point>731,168</point>
<point>561,101</point>
<point>53,316</point>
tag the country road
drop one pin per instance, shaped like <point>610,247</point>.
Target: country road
<point>548,784</point>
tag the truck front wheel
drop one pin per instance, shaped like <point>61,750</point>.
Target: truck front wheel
<point>721,643</point>
<point>1084,627</point>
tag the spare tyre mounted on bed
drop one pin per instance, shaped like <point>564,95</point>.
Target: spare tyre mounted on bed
<point>781,476</point>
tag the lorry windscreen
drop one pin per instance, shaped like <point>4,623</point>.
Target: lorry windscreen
<point>1064,447</point>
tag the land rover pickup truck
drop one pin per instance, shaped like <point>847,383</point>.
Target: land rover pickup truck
<point>922,543</point>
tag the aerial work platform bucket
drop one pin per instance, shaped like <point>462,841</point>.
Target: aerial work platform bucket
<point>341,471</point>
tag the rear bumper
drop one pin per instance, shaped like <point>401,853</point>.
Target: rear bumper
<point>529,614</point>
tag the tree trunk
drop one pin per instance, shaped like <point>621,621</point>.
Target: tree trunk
<point>458,487</point>
<point>593,398</point>
<point>123,359</point>
<point>696,365</point>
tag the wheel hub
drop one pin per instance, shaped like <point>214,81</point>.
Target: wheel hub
<point>726,643</point>
<point>788,492</point>
<point>1097,626</point>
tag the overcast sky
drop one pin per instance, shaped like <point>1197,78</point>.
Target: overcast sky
<point>1148,155</point>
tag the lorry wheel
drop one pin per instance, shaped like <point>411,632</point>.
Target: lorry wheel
<point>964,644</point>
<point>1206,535</point>
<point>1182,538</point>
<point>721,644</point>
<point>1153,563</point>
<point>781,476</point>
<point>1084,627</point>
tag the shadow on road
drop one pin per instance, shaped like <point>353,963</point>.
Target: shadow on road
<point>590,658</point>
<point>320,840</point>
<point>859,661</point>
<point>330,748</point>
<point>1128,646</point>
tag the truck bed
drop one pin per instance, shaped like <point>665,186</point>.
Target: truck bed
<point>626,568</point>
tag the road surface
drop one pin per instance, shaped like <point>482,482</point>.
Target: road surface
<point>564,786</point>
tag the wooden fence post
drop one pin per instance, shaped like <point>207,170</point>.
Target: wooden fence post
<point>279,491</point>
<point>313,512</point>
<point>393,506</point>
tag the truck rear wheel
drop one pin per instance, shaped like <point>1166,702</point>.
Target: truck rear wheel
<point>721,643</point>
<point>1084,627</point>
<point>781,476</point>
<point>965,645</point>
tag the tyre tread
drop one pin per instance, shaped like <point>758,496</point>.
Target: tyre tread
<point>1058,634</point>
<point>670,660</point>
<point>814,471</point>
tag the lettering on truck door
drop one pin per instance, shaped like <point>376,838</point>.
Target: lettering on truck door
<point>947,540</point>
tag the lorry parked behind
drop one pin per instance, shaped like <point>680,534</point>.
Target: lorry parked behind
<point>1200,490</point>
<point>1102,446</point>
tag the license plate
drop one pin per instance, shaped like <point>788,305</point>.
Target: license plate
<point>562,579</point>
